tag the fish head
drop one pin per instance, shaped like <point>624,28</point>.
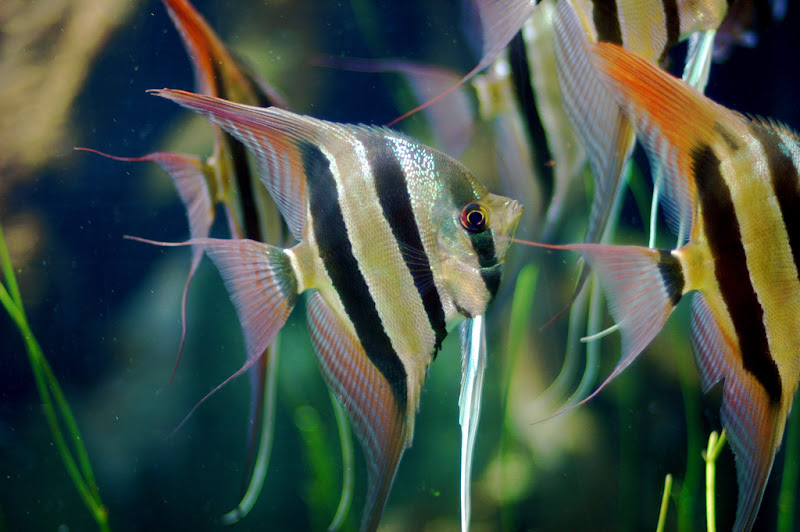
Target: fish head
<point>475,228</point>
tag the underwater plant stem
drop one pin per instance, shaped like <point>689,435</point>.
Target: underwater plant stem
<point>687,494</point>
<point>265,442</point>
<point>518,325</point>
<point>79,470</point>
<point>787,497</point>
<point>11,280</point>
<point>715,445</point>
<point>348,464</point>
<point>662,514</point>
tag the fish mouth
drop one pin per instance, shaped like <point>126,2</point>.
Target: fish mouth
<point>511,214</point>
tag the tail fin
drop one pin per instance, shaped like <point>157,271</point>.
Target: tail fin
<point>262,285</point>
<point>191,178</point>
<point>642,285</point>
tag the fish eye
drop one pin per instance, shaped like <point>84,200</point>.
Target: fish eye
<point>474,218</point>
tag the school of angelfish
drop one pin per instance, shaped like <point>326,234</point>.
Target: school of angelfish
<point>395,244</point>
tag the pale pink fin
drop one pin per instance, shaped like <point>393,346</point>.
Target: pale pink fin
<point>276,138</point>
<point>754,424</point>
<point>640,292</point>
<point>191,181</point>
<point>755,429</point>
<point>262,286</point>
<point>711,350</point>
<point>605,133</point>
<point>452,119</point>
<point>499,21</point>
<point>377,419</point>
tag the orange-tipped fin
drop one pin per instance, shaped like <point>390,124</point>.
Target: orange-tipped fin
<point>673,120</point>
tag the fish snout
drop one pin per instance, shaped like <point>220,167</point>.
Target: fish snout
<point>512,213</point>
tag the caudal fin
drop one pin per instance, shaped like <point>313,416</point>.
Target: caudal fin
<point>262,286</point>
<point>191,179</point>
<point>642,285</point>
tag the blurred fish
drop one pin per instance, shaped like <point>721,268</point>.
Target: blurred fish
<point>650,29</point>
<point>397,243</point>
<point>559,151</point>
<point>225,179</point>
<point>733,182</point>
<point>746,19</point>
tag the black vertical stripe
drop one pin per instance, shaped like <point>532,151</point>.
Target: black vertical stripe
<point>244,182</point>
<point>672,25</point>
<point>241,168</point>
<point>606,21</point>
<point>461,194</point>
<point>730,268</point>
<point>523,88</point>
<point>483,244</point>
<point>392,189</point>
<point>785,183</point>
<point>671,275</point>
<point>336,252</point>
<point>491,278</point>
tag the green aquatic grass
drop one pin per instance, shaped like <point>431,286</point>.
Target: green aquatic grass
<point>662,513</point>
<point>348,464</point>
<point>522,307</point>
<point>63,426</point>
<point>715,446</point>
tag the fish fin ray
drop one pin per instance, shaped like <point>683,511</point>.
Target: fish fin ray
<point>499,20</point>
<point>378,421</point>
<point>711,350</point>
<point>606,135</point>
<point>753,423</point>
<point>640,297</point>
<point>261,284</point>
<point>755,428</point>
<point>274,136</point>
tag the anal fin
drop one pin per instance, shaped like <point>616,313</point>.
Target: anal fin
<point>379,422</point>
<point>753,422</point>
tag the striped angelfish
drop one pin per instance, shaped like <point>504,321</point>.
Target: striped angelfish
<point>396,244</point>
<point>733,182</point>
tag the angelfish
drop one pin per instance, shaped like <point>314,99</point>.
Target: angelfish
<point>733,195</point>
<point>397,243</point>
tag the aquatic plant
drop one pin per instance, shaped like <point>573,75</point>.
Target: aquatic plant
<point>62,424</point>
